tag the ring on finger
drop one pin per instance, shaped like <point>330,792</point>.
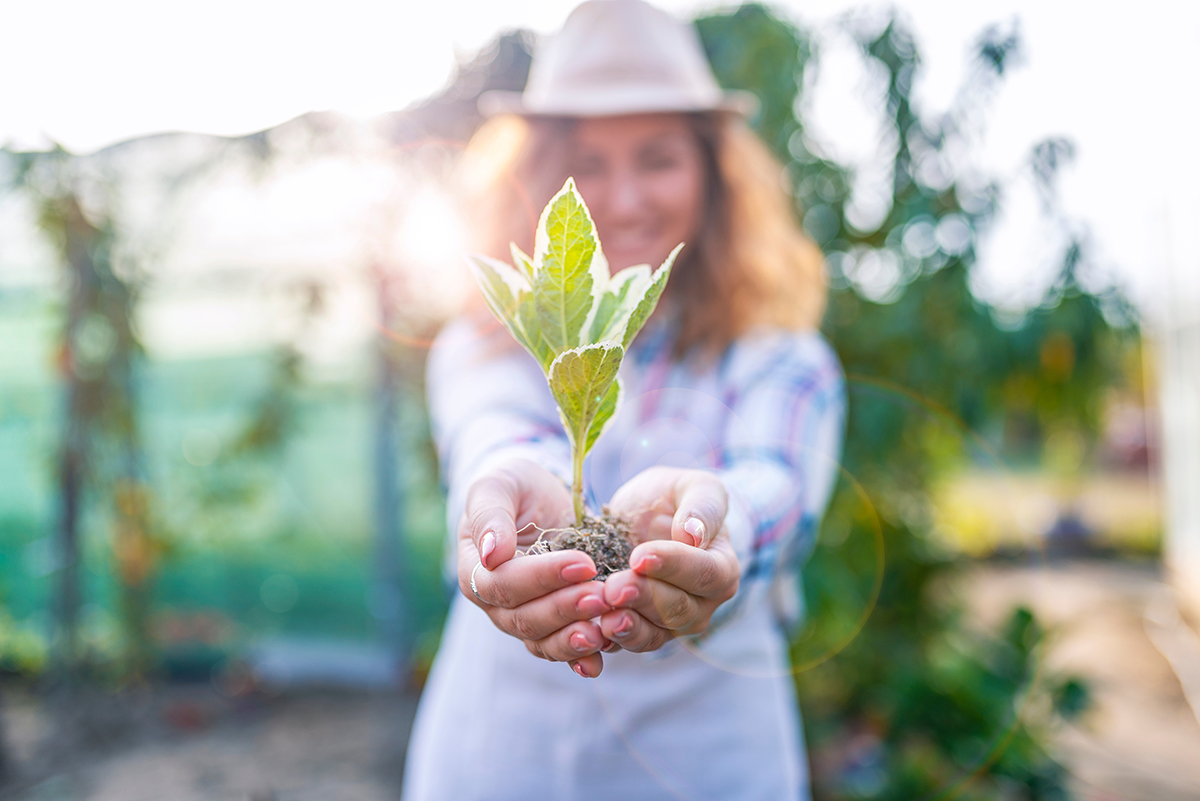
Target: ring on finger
<point>474,588</point>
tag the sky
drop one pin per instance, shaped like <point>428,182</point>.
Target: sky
<point>1118,82</point>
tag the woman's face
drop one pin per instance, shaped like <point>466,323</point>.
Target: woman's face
<point>642,177</point>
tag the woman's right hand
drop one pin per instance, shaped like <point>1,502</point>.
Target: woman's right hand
<point>546,601</point>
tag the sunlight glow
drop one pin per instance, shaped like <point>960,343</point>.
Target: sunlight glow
<point>432,232</point>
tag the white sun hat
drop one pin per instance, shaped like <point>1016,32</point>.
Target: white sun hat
<point>619,57</point>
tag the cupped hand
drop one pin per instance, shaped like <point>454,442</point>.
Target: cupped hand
<point>546,601</point>
<point>683,566</point>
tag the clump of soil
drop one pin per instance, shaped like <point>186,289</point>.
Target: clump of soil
<point>605,539</point>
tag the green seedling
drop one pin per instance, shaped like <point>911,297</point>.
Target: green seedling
<point>575,318</point>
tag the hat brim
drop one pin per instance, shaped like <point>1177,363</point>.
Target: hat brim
<point>494,102</point>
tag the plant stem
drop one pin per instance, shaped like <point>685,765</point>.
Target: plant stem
<point>577,485</point>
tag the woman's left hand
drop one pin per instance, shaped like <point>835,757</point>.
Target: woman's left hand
<point>683,566</point>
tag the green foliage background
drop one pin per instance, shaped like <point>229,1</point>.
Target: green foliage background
<point>917,705</point>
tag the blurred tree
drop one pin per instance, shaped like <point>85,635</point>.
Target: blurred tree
<point>453,114</point>
<point>100,448</point>
<point>100,454</point>
<point>947,712</point>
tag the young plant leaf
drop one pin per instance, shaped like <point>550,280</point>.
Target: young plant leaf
<point>613,309</point>
<point>535,343</point>
<point>575,318</point>
<point>563,282</point>
<point>644,306</point>
<point>523,263</point>
<point>503,289</point>
<point>582,380</point>
<point>604,414</point>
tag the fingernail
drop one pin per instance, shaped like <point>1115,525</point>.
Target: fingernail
<point>624,627</point>
<point>486,546</point>
<point>591,605</point>
<point>609,646</point>
<point>695,527</point>
<point>578,668</point>
<point>648,562</point>
<point>580,642</point>
<point>627,596</point>
<point>577,572</point>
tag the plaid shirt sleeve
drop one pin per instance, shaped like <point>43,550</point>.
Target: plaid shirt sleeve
<point>488,404</point>
<point>779,462</point>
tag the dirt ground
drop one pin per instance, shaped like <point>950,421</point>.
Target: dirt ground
<point>191,743</point>
<point>1140,742</point>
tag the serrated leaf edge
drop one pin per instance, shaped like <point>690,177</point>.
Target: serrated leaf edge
<point>512,281</point>
<point>658,282</point>
<point>522,262</point>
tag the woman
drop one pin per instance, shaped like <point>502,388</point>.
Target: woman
<point>721,455</point>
